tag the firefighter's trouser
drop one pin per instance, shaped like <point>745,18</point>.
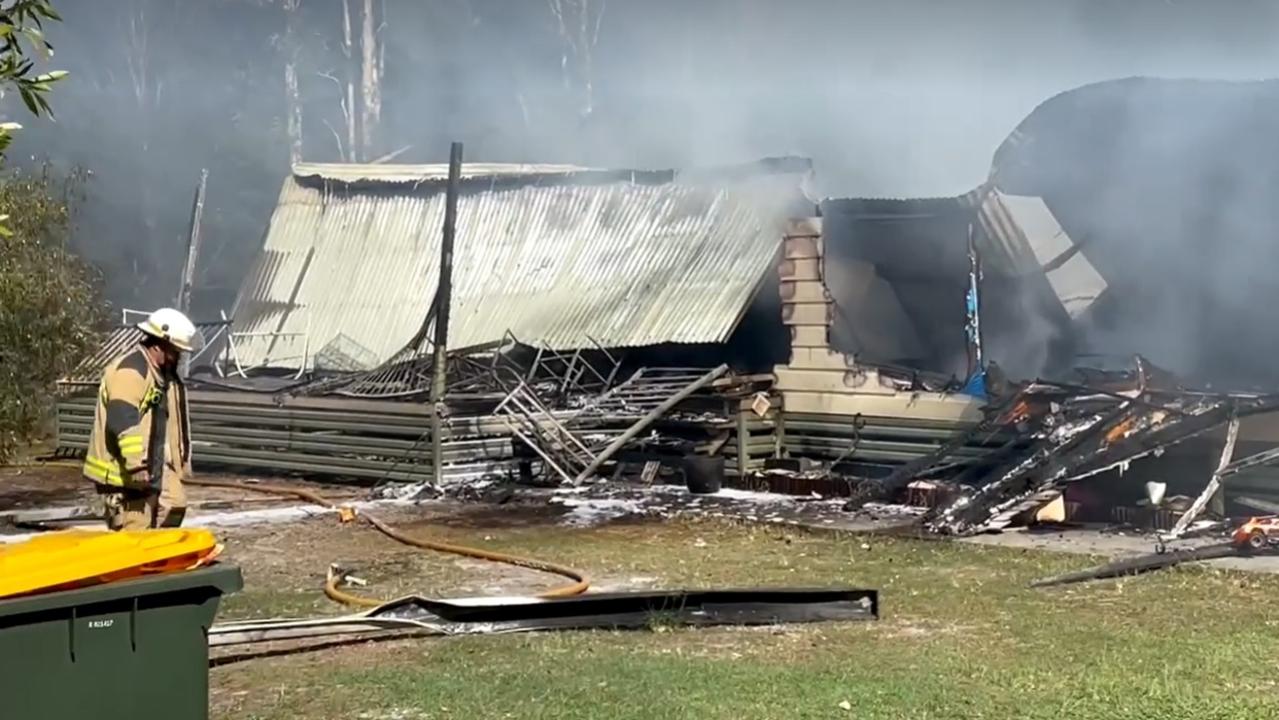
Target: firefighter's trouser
<point>128,508</point>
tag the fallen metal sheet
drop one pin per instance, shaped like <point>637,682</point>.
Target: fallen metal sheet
<point>602,610</point>
<point>735,606</point>
<point>246,633</point>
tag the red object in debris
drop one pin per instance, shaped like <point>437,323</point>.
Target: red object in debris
<point>1258,533</point>
<point>1016,414</point>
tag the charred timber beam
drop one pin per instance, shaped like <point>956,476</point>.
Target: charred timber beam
<point>1262,458</point>
<point>1092,450</point>
<point>1214,483</point>
<point>1138,565</point>
<point>444,299</point>
<point>876,490</point>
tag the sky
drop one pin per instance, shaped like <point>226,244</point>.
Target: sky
<point>900,99</point>
<point>891,98</point>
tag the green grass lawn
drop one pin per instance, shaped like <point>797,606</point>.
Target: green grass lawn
<point>961,637</point>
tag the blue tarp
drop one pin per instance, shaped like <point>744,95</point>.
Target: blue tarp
<point>976,385</point>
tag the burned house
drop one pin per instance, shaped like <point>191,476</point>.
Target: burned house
<point>618,287</point>
<point>1061,273</point>
<point>581,300</point>
<point>1167,186</point>
<point>848,346</point>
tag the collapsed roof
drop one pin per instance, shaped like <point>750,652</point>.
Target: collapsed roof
<point>1127,217</point>
<point>1168,187</point>
<point>558,256</point>
<point>898,271</point>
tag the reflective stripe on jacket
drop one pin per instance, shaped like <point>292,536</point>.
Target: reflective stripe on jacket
<point>125,440</point>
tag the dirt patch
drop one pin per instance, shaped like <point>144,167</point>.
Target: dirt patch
<point>518,514</point>
<point>921,629</point>
<point>285,564</point>
<point>34,486</point>
<point>239,683</point>
<point>50,486</point>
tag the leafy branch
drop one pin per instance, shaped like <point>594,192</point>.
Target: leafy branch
<point>22,25</point>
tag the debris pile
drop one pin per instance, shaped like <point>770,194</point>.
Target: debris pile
<point>606,502</point>
<point>1061,433</point>
<point>509,409</point>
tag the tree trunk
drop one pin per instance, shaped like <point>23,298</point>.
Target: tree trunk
<point>292,95</point>
<point>371,77</point>
<point>579,24</point>
<point>352,113</point>
<point>295,112</point>
<point>146,92</point>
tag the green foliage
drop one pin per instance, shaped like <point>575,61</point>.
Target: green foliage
<point>49,309</point>
<point>48,304</point>
<point>22,25</point>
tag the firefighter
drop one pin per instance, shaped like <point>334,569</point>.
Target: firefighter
<point>140,449</point>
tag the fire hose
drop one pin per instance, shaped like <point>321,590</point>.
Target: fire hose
<point>579,585</point>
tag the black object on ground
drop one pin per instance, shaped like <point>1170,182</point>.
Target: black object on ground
<point>637,610</point>
<point>1141,564</point>
<point>704,474</point>
<point>603,610</point>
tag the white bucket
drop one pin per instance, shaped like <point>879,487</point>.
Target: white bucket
<point>1155,492</point>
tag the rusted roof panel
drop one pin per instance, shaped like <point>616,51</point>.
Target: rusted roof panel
<point>567,265</point>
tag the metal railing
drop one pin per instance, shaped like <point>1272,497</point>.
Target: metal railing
<point>231,357</point>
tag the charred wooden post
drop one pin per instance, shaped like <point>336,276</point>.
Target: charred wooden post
<point>193,244</point>
<point>444,298</point>
<point>779,434</point>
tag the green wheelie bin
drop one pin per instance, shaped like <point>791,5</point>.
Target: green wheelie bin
<point>128,650</point>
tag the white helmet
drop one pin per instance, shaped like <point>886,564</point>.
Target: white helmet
<point>171,326</point>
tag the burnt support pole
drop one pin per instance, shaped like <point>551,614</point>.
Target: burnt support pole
<point>976,349</point>
<point>193,245</point>
<point>779,431</point>
<point>444,300</point>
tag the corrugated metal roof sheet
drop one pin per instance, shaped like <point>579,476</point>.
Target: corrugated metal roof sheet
<point>392,173</point>
<point>614,263</point>
<point>1021,235</point>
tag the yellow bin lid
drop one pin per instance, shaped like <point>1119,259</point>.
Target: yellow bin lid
<point>75,558</point>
